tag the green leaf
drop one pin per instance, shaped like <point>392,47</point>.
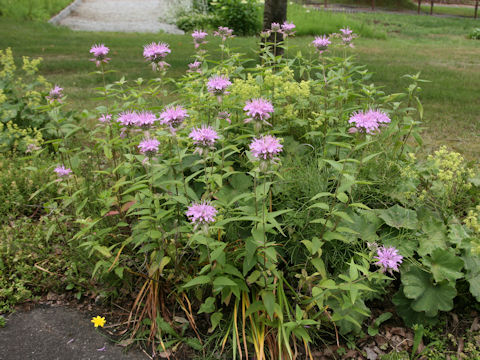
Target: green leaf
<point>199,280</point>
<point>269,302</point>
<point>429,297</point>
<point>222,281</point>
<point>444,265</point>
<point>434,236</point>
<point>215,319</point>
<point>410,316</point>
<point>208,306</point>
<point>399,217</point>
<point>472,265</point>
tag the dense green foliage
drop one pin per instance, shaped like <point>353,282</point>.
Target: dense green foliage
<point>31,9</point>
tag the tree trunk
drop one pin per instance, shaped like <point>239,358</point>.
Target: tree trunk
<point>431,7</point>
<point>476,9</point>
<point>325,4</point>
<point>275,11</point>
<point>373,5</point>
<point>419,6</point>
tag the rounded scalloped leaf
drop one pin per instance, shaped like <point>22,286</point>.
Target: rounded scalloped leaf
<point>399,217</point>
<point>444,265</point>
<point>429,297</point>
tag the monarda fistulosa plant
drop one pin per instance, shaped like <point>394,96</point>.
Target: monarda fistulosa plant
<point>243,201</point>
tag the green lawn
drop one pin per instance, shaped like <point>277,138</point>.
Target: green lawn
<point>437,47</point>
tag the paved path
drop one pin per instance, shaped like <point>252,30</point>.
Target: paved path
<point>57,333</point>
<point>123,15</point>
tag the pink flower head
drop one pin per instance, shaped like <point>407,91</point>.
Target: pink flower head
<point>155,53</point>
<point>195,67</point>
<point>224,115</point>
<point>100,54</point>
<point>347,36</point>
<point>347,31</point>
<point>321,43</point>
<point>389,258</point>
<point>217,84</point>
<point>145,119</point>
<point>266,147</point>
<point>160,66</point>
<point>224,32</point>
<point>149,147</point>
<point>105,118</point>
<point>55,94</point>
<point>62,171</point>
<point>173,116</point>
<point>204,137</point>
<point>259,110</point>
<point>287,29</point>
<point>201,213</point>
<point>275,27</point>
<point>127,118</point>
<point>199,38</point>
<point>368,122</point>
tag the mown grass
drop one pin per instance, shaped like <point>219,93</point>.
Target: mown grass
<point>31,9</point>
<point>467,11</point>
<point>437,47</point>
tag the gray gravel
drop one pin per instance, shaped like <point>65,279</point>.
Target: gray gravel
<point>149,16</point>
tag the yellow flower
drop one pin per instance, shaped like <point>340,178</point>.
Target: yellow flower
<point>98,321</point>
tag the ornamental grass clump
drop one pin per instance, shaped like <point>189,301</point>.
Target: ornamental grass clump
<point>256,238</point>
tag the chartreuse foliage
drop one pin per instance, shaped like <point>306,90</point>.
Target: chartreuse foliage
<point>291,250</point>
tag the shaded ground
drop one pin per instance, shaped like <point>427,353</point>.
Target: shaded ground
<point>57,333</point>
<point>147,16</point>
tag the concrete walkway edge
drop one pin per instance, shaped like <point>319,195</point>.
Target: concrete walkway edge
<point>65,12</point>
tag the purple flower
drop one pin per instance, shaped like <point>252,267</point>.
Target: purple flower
<point>100,54</point>
<point>389,258</point>
<point>62,171</point>
<point>55,94</point>
<point>224,115</point>
<point>224,32</point>
<point>321,43</point>
<point>127,118</point>
<point>145,119</point>
<point>204,137</point>
<point>276,27</point>
<point>266,147</point>
<point>173,116</point>
<point>347,36</point>
<point>149,147</point>
<point>217,84</point>
<point>155,53</point>
<point>195,67</point>
<point>368,122</point>
<point>199,38</point>
<point>201,213</point>
<point>105,118</point>
<point>347,31</point>
<point>259,110</point>
<point>287,29</point>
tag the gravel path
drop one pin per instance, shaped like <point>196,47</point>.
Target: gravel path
<point>123,15</point>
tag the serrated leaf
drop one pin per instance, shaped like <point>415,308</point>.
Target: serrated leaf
<point>399,217</point>
<point>208,306</point>
<point>199,280</point>
<point>429,297</point>
<point>444,265</point>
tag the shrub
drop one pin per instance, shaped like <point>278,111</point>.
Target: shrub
<point>241,16</point>
<point>261,199</point>
<point>24,107</point>
<point>475,34</point>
